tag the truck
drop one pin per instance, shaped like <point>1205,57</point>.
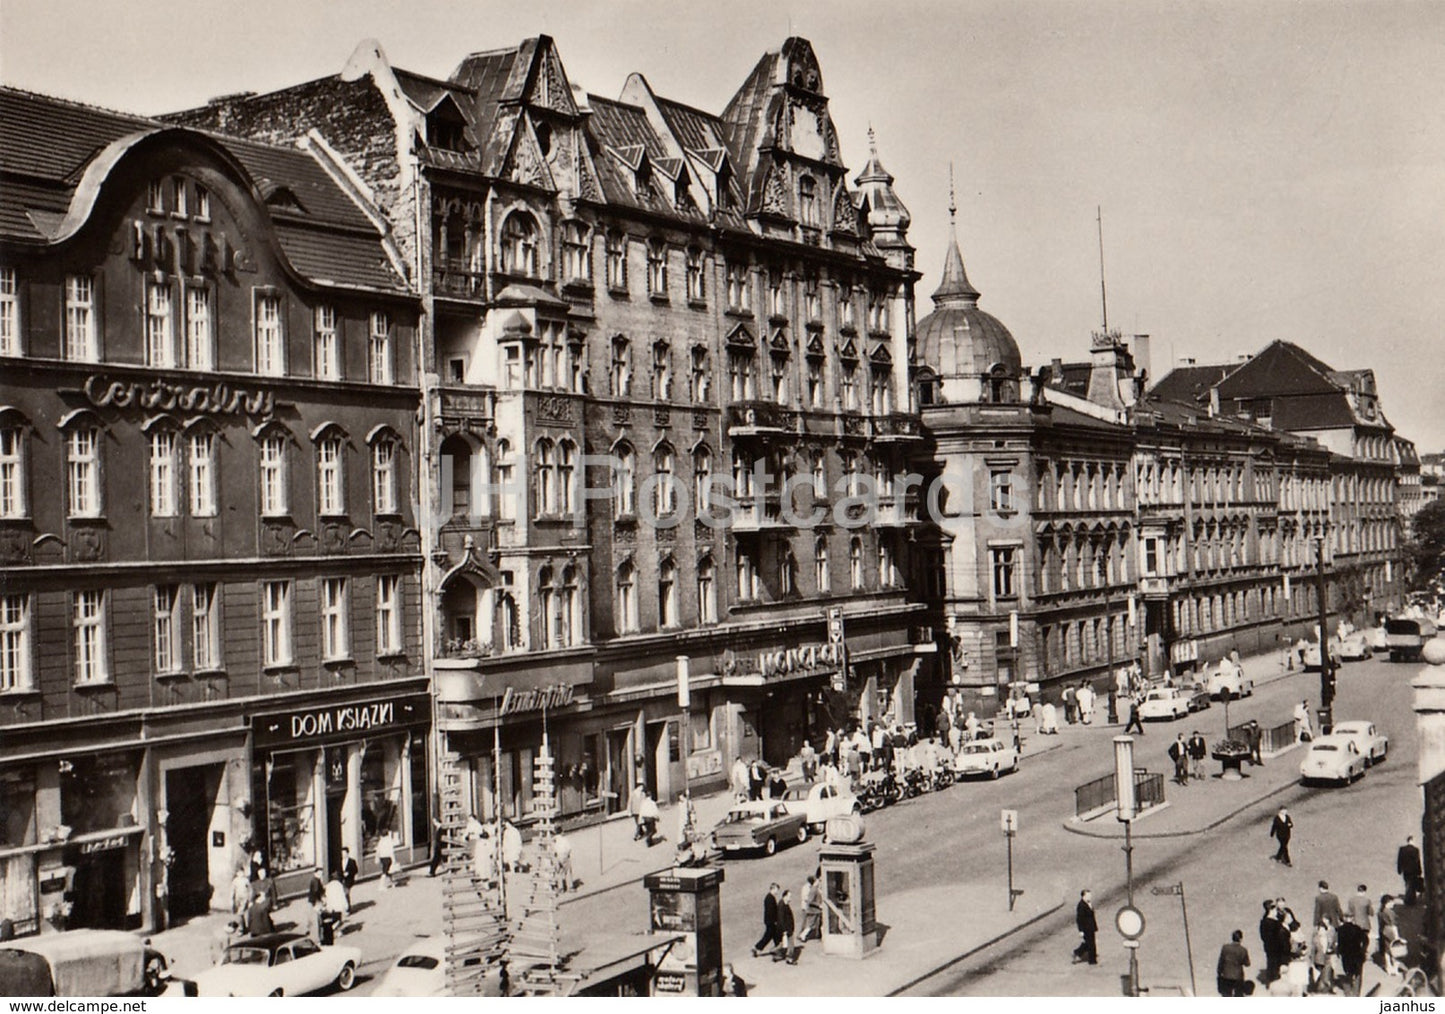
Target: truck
<point>1405,637</point>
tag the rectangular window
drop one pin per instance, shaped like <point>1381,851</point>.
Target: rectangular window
<point>812,297</point>
<point>273,476</point>
<point>201,474</point>
<point>845,308</point>
<point>335,639</point>
<point>88,620</point>
<point>695,279</point>
<point>328,362</point>
<point>1151,557</point>
<point>200,330</point>
<point>180,205</point>
<point>80,343</point>
<point>777,297</point>
<point>850,387</point>
<point>1003,573</point>
<point>383,477</point>
<point>160,338</point>
<point>379,349</point>
<point>15,667</point>
<point>657,268</point>
<point>82,452</point>
<point>617,262</point>
<point>203,204</point>
<point>163,478</point>
<point>9,313</point>
<point>12,473</point>
<point>815,383</point>
<point>165,628</point>
<point>270,337</point>
<point>155,196</point>
<point>388,615</point>
<point>276,623</point>
<point>739,298</point>
<point>328,477</point>
<point>205,628</point>
<point>1001,494</point>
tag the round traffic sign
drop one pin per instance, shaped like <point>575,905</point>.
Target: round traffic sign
<point>1130,922</point>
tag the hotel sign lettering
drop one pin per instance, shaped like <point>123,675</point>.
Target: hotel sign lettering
<point>539,699</point>
<point>164,396</point>
<point>805,659</point>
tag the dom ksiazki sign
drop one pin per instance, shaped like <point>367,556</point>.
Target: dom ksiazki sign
<point>339,720</point>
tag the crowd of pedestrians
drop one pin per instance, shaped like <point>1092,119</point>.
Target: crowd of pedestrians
<point>781,938</point>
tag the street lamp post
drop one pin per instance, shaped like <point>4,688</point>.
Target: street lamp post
<point>1327,676</point>
<point>1127,809</point>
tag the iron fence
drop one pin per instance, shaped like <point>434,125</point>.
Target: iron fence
<point>1271,740</point>
<point>1148,791</point>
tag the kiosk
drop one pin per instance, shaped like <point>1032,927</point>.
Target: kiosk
<point>850,926</point>
<point>684,902</point>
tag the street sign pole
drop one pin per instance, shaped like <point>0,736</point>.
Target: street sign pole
<point>1009,820</point>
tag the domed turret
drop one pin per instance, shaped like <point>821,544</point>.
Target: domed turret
<point>886,214</point>
<point>973,355</point>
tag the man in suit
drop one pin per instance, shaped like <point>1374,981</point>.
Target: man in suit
<point>1328,911</point>
<point>787,929</point>
<point>1088,927</point>
<point>1282,828</point>
<point>772,933</point>
<point>1233,960</point>
<point>1275,940</point>
<point>1407,864</point>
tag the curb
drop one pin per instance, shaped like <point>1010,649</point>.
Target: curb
<point>1075,829</point>
<point>899,990</point>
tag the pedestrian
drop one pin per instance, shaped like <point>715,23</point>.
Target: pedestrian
<point>1135,721</point>
<point>787,930</point>
<point>740,779</point>
<point>1302,731</point>
<point>1389,932</point>
<point>634,809</point>
<point>1198,750</point>
<point>1179,754</point>
<point>1255,735</point>
<point>240,891</point>
<point>830,747</point>
<point>1085,701</point>
<point>650,818</point>
<point>733,984</point>
<point>349,872</point>
<point>1407,864</point>
<point>1274,939</point>
<point>757,778</point>
<point>512,848</point>
<point>1328,911</point>
<point>1088,949</point>
<point>1233,960</point>
<point>1352,943</point>
<point>1050,720</point>
<point>316,898</point>
<point>337,903</point>
<point>808,758</point>
<point>224,935</point>
<point>1361,910</point>
<point>1069,705</point>
<point>1322,951</point>
<point>771,934</point>
<point>1038,716</point>
<point>1282,829</point>
<point>812,910</point>
<point>263,902</point>
<point>386,858</point>
<point>438,847</point>
<point>562,849</point>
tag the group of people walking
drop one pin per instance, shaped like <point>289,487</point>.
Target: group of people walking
<point>781,938</point>
<point>254,898</point>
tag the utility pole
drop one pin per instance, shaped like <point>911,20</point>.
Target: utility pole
<point>1327,669</point>
<point>1103,294</point>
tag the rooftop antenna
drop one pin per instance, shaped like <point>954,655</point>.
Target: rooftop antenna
<point>952,203</point>
<point>1103,293</point>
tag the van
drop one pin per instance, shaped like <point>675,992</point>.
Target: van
<point>85,962</point>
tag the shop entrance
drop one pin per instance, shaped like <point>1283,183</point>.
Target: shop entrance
<point>619,774</point>
<point>98,892</point>
<point>190,802</point>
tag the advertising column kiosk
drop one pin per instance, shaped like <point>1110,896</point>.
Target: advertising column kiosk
<point>685,901</point>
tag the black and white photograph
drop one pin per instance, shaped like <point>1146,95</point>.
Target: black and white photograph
<point>777,499</point>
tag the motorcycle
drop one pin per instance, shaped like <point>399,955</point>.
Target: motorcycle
<point>915,783</point>
<point>942,777</point>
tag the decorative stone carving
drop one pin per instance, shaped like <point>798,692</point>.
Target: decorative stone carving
<point>775,192</point>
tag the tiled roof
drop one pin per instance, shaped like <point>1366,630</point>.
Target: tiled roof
<point>46,145</point>
<point>1189,383</point>
<point>1323,411</point>
<point>1280,369</point>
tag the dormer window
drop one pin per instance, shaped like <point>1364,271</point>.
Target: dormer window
<point>446,129</point>
<point>519,244</point>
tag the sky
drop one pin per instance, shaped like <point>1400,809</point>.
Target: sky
<point>1265,169</point>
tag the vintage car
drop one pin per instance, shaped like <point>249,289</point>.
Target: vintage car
<point>1199,699</point>
<point>821,802</point>
<point>1228,678</point>
<point>279,964</point>
<point>1375,638</point>
<point>760,824</point>
<point>420,970</point>
<point>1352,647</point>
<point>86,962</point>
<point>1372,744</point>
<point>1333,759</point>
<point>1166,703</point>
<point>990,757</point>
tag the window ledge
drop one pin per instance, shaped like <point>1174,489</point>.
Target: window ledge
<point>738,312</point>
<point>210,674</point>
<point>280,669</point>
<point>275,517</point>
<point>388,516</point>
<point>19,693</point>
<point>338,663</point>
<point>778,319</point>
<point>697,304</point>
<point>87,519</point>
<point>618,293</point>
<point>659,297</point>
<point>178,676</point>
<point>580,286</point>
<point>333,517</point>
<point>391,656</point>
<point>23,521</point>
<point>105,684</point>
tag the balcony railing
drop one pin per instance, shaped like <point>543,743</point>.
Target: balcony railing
<point>456,281</point>
<point>756,418</point>
<point>894,426</point>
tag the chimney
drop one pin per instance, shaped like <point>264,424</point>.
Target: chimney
<point>1143,359</point>
<point>1056,372</point>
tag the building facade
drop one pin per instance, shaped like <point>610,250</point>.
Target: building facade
<point>211,585</point>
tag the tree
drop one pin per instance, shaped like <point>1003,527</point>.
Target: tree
<point>1427,546</point>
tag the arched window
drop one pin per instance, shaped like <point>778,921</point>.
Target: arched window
<point>664,492</point>
<point>621,372</point>
<point>701,480</point>
<point>820,565</point>
<point>788,574</point>
<point>330,475</point>
<point>706,591</point>
<point>667,594</point>
<point>855,563</point>
<point>519,244</point>
<point>624,482</point>
<point>383,475</point>
<point>509,622</point>
<point>545,491</point>
<point>14,489</point>
<point>626,599</point>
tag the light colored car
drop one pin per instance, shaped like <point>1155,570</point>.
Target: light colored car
<point>821,802</point>
<point>1375,638</point>
<point>990,757</point>
<point>1353,648</point>
<point>279,964</point>
<point>1333,759</point>
<point>760,824</point>
<point>1228,678</point>
<point>420,970</point>
<point>1165,703</point>
<point>1373,745</point>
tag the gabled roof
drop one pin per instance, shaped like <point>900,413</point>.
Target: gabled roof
<point>1323,411</point>
<point>1280,369</point>
<point>1189,383</point>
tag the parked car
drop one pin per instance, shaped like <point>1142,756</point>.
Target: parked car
<point>1199,698</point>
<point>279,964</point>
<point>760,824</point>
<point>1375,638</point>
<point>420,970</point>
<point>1373,745</point>
<point>1165,703</point>
<point>821,802</point>
<point>1353,648</point>
<point>1333,758</point>
<point>86,962</point>
<point>1228,678</point>
<point>990,757</point>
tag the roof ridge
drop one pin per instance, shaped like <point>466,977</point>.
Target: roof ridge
<point>689,107</point>
<point>81,104</point>
<point>440,82</point>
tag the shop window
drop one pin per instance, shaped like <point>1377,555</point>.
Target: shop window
<point>700,731</point>
<point>17,809</point>
<point>380,792</point>
<point>420,819</point>
<point>289,811</point>
<point>97,793</point>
